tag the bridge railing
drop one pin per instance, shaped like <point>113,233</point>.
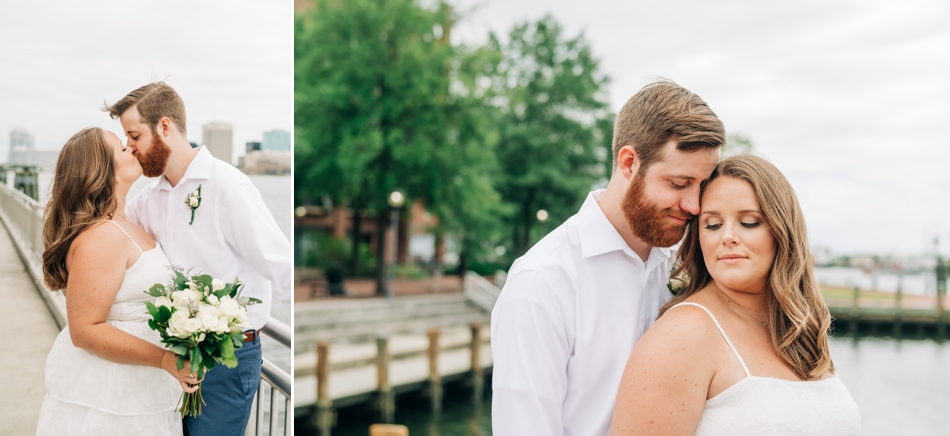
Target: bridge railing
<point>23,218</point>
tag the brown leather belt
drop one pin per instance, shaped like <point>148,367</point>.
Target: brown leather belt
<point>250,335</point>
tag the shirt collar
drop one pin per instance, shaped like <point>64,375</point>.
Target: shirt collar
<point>599,236</point>
<point>198,169</point>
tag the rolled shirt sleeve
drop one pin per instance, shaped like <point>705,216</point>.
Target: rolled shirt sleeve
<point>531,347</point>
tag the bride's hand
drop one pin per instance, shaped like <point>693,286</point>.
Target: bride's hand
<point>188,380</point>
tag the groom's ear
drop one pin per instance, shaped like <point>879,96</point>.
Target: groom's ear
<point>628,161</point>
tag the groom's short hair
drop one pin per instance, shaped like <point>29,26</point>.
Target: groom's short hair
<point>662,111</point>
<point>154,101</point>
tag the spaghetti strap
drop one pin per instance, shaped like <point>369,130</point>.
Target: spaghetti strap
<point>742,362</point>
<point>126,235</point>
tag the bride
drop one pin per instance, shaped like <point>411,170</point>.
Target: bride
<point>107,373</point>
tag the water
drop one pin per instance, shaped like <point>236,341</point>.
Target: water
<point>902,387</point>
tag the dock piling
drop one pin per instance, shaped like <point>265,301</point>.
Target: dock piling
<point>897,305</point>
<point>855,311</point>
<point>324,416</point>
<point>478,375</point>
<point>387,398</point>
<point>435,379</point>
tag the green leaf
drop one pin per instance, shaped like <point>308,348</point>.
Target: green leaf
<point>195,359</point>
<point>157,290</point>
<point>252,300</point>
<point>180,281</point>
<point>227,348</point>
<point>180,363</point>
<point>178,349</point>
<point>152,310</point>
<point>164,313</point>
<point>203,280</point>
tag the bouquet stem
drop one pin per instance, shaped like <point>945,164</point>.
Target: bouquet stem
<point>191,403</point>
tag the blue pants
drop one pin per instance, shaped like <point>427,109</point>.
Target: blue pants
<point>228,394</point>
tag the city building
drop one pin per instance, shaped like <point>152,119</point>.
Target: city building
<point>252,146</point>
<point>217,137</point>
<point>23,151</point>
<point>265,162</point>
<point>276,140</point>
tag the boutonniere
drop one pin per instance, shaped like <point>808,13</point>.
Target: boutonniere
<point>675,285</point>
<point>193,200</point>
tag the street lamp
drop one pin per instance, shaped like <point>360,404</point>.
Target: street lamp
<point>395,200</point>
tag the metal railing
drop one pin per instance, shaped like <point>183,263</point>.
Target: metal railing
<point>23,218</point>
<point>277,380</point>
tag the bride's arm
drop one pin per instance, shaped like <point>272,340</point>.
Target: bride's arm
<point>96,263</point>
<point>666,380</point>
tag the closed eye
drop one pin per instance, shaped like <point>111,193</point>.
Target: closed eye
<point>750,225</point>
<point>713,226</point>
<point>683,186</point>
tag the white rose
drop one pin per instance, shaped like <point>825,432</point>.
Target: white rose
<point>201,337</point>
<point>213,300</point>
<point>217,284</point>
<point>229,307</point>
<point>222,325</point>
<point>192,325</point>
<point>208,320</point>
<point>163,301</point>
<point>177,324</point>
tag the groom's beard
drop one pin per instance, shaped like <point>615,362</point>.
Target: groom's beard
<point>647,221</point>
<point>153,162</point>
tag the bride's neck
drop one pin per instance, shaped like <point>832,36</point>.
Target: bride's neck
<point>121,192</point>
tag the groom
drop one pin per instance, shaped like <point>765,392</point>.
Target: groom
<point>577,302</point>
<point>232,234</point>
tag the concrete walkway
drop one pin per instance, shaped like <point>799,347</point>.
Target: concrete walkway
<point>27,332</point>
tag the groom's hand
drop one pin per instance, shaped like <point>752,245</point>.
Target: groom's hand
<point>188,380</point>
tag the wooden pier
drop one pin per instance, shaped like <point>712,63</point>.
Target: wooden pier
<point>860,313</point>
<point>370,350</point>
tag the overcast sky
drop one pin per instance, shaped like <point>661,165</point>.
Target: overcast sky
<point>851,100</point>
<point>230,61</point>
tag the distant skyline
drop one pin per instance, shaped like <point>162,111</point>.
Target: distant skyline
<point>848,99</point>
<point>231,61</point>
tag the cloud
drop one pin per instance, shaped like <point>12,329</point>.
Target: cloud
<point>848,99</point>
<point>229,60</point>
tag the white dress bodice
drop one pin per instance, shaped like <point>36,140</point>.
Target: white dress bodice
<point>89,395</point>
<point>771,406</point>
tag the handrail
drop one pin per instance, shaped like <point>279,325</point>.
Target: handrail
<point>480,291</point>
<point>278,331</point>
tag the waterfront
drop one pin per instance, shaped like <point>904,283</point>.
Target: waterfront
<point>902,387</point>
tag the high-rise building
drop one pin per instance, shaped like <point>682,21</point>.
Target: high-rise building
<point>253,146</point>
<point>217,137</point>
<point>276,140</point>
<point>21,143</point>
<point>23,151</point>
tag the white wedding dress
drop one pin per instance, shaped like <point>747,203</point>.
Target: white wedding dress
<point>89,395</point>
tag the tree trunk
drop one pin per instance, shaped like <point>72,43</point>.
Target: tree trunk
<point>382,223</point>
<point>354,269</point>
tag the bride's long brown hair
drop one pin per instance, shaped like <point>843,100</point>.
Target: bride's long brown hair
<point>798,318</point>
<point>83,194</point>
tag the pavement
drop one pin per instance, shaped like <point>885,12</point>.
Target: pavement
<point>27,332</point>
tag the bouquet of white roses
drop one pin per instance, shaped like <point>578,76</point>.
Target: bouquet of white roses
<point>201,319</point>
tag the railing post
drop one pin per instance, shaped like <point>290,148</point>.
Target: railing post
<point>435,379</point>
<point>387,399</point>
<point>897,304</point>
<point>324,417</point>
<point>478,376</point>
<point>855,311</point>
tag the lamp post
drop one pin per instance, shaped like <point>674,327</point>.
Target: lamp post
<point>395,200</point>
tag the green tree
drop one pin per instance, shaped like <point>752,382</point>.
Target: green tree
<point>551,95</point>
<point>382,102</point>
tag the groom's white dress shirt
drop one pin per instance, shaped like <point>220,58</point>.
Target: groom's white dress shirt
<point>561,332</point>
<point>233,235</point>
